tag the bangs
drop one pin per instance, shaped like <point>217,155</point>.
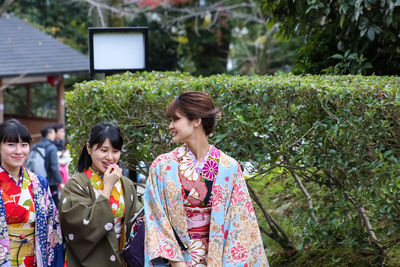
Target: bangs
<point>113,135</point>
<point>172,109</point>
<point>16,133</point>
<point>116,141</point>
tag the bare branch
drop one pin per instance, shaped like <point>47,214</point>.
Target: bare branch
<point>305,192</point>
<point>283,240</point>
<point>5,6</point>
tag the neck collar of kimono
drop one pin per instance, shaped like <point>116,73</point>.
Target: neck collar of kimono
<point>21,175</point>
<point>198,165</point>
<point>90,171</point>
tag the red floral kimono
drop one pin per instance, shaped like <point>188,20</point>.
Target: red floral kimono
<point>30,234</point>
<point>20,218</point>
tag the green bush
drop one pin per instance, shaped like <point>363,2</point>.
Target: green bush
<point>339,134</point>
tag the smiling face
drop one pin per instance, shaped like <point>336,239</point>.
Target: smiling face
<point>13,154</point>
<point>182,128</point>
<point>103,156</point>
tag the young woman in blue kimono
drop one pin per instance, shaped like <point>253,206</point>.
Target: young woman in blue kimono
<point>30,233</point>
<point>197,207</point>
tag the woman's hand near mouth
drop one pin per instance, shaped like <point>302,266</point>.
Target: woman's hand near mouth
<point>111,176</point>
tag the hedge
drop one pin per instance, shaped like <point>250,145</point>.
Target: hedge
<point>340,134</point>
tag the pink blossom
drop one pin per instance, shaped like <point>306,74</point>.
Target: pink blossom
<point>215,153</point>
<point>237,195</point>
<point>217,195</point>
<point>239,253</point>
<point>169,251</point>
<point>249,207</point>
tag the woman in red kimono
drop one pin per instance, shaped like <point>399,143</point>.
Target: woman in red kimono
<point>30,233</point>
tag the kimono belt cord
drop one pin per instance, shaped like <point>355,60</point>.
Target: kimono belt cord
<point>23,242</point>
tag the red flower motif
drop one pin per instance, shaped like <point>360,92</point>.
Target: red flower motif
<point>237,195</point>
<point>217,195</point>
<point>169,251</point>
<point>249,207</point>
<point>239,253</point>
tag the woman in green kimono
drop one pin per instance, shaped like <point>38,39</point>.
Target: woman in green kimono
<point>98,202</point>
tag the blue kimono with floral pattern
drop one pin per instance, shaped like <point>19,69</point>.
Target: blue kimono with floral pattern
<point>48,238</point>
<point>234,238</point>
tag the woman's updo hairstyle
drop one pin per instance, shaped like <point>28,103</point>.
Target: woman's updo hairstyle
<point>195,105</point>
<point>98,135</point>
<point>13,131</point>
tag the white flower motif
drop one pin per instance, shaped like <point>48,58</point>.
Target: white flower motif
<point>64,200</point>
<point>3,251</point>
<point>198,251</point>
<point>108,226</point>
<point>112,258</point>
<point>114,206</point>
<point>85,222</point>
<point>71,237</point>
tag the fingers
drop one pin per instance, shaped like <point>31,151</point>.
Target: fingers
<point>113,173</point>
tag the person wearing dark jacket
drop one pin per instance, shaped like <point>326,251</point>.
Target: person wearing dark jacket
<point>51,160</point>
<point>59,139</point>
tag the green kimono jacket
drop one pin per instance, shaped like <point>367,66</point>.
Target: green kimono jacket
<point>85,223</point>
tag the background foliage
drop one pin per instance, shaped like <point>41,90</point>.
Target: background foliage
<point>347,36</point>
<point>339,135</point>
<point>193,36</point>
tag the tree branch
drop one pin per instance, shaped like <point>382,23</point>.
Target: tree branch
<point>305,192</point>
<point>5,6</point>
<point>283,240</point>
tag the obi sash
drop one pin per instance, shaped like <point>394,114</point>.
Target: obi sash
<point>198,221</point>
<point>22,244</point>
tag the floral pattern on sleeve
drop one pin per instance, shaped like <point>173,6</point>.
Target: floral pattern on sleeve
<point>232,242</point>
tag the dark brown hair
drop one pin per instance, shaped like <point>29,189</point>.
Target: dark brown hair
<point>195,105</point>
<point>98,135</point>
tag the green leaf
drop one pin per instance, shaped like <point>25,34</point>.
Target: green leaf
<point>371,33</point>
<point>342,19</point>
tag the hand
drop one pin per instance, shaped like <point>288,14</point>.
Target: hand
<point>110,178</point>
<point>178,264</point>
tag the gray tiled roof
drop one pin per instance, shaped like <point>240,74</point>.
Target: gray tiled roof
<point>27,50</point>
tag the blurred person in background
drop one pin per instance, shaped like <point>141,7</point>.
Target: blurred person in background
<point>64,159</point>
<point>53,174</point>
<point>59,139</point>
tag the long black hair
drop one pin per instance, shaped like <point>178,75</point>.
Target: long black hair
<point>98,135</point>
<point>12,131</point>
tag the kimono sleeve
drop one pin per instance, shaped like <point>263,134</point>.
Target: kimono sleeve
<point>132,204</point>
<point>85,222</point>
<point>243,238</point>
<point>54,236</point>
<point>160,241</point>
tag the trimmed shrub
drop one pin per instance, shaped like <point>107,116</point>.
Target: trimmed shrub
<point>337,134</point>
